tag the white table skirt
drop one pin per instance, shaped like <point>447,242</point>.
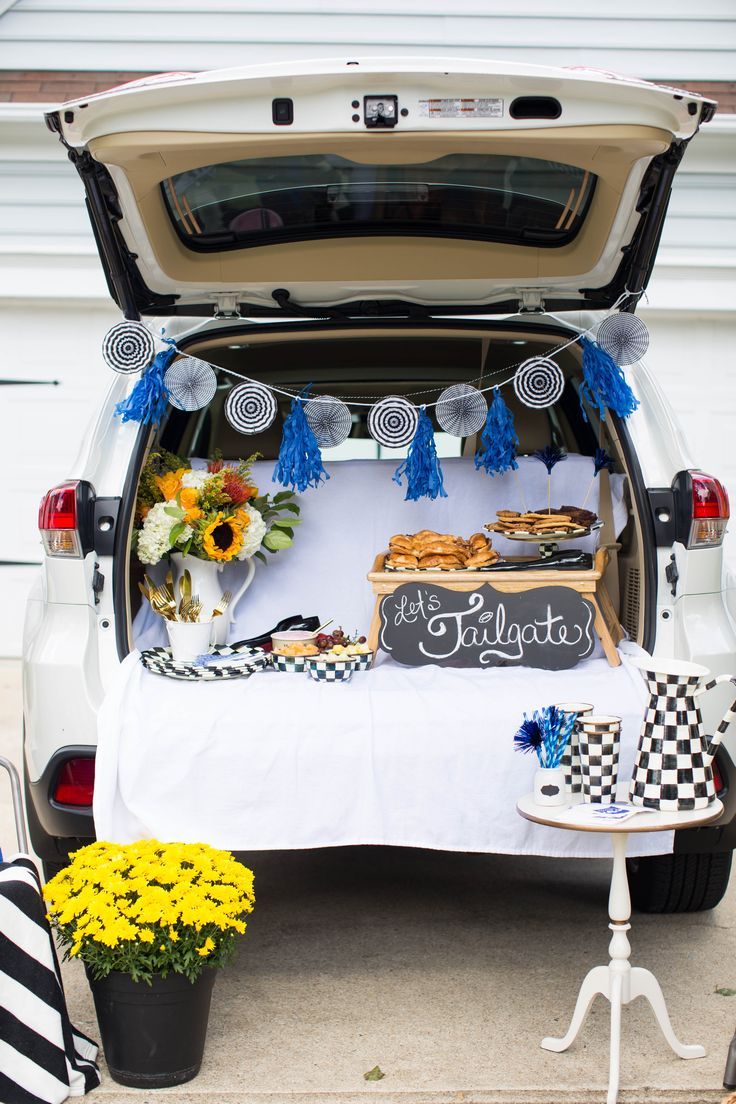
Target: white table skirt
<point>418,757</point>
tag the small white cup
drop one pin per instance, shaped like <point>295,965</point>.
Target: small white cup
<point>189,639</point>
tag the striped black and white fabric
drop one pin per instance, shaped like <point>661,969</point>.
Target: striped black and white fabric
<point>43,1058</point>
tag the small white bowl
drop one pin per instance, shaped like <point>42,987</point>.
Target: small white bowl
<point>292,636</point>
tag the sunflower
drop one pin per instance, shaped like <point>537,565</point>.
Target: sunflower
<point>223,538</point>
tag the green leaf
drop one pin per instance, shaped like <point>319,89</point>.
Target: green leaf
<point>261,557</point>
<point>282,496</point>
<point>185,547</point>
<point>292,507</point>
<point>726,992</point>
<point>176,532</point>
<point>376,1074</point>
<point>174,511</point>
<point>286,523</point>
<point>276,539</point>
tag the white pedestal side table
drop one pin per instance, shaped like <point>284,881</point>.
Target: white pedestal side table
<point>619,981</point>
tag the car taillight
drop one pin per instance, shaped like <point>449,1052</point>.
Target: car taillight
<point>63,518</point>
<point>75,782</point>
<point>702,509</point>
<point>717,777</point>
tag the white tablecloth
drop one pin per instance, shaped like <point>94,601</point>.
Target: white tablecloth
<point>419,757</point>
<point>349,519</point>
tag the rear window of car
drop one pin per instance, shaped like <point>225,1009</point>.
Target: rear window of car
<point>235,204</point>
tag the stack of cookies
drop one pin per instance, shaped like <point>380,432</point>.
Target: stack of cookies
<point>430,551</point>
<point>535,523</point>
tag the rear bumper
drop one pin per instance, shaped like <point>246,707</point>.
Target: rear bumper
<point>56,829</point>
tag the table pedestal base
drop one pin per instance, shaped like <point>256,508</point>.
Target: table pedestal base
<point>620,982</point>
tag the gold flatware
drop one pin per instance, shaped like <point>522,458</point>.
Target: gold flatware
<point>224,602</point>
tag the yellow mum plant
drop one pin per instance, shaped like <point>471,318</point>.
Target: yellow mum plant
<point>150,908</point>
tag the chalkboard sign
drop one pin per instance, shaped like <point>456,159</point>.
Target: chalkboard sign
<point>548,627</point>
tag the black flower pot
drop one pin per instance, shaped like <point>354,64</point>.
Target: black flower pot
<point>153,1035</point>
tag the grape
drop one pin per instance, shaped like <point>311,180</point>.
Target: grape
<point>361,640</point>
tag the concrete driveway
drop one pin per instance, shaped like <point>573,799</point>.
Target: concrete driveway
<point>445,970</point>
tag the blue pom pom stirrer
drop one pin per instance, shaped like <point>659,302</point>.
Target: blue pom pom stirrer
<point>547,733</point>
<point>604,384</point>
<point>148,400</point>
<point>300,461</point>
<point>601,461</point>
<point>550,456</point>
<point>422,467</point>
<point>498,439</point>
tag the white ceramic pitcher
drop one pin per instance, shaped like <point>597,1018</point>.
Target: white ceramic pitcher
<point>207,584</point>
<point>672,769</point>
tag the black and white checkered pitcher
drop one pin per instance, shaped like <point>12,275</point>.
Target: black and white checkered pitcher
<point>599,737</point>
<point>571,755</point>
<point>672,769</point>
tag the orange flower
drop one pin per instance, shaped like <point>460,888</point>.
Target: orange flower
<point>188,500</point>
<point>223,538</point>
<point>170,484</point>
<point>242,518</point>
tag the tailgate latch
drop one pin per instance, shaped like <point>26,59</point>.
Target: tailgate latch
<point>531,300</point>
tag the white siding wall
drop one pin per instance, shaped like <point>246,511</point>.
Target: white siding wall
<point>661,38</point>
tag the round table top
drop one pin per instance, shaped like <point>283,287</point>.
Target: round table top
<point>558,816</point>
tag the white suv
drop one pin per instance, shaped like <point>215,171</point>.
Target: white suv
<point>375,226</point>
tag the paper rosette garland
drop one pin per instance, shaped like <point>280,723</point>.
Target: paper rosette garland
<point>191,383</point>
<point>128,347</point>
<point>461,410</point>
<point>250,408</point>
<point>539,382</point>
<point>329,420</point>
<point>624,337</point>
<point>393,421</point>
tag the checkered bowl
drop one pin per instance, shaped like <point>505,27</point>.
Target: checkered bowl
<point>362,662</point>
<point>295,665</point>
<point>325,670</point>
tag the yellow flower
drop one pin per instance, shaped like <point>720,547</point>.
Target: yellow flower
<point>207,947</point>
<point>170,484</point>
<point>188,499</point>
<point>223,538</point>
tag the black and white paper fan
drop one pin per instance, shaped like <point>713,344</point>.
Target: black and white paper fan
<point>461,410</point>
<point>329,420</point>
<point>191,383</point>
<point>393,421</point>
<point>624,337</point>
<point>250,408</point>
<point>128,347</point>
<point>539,382</point>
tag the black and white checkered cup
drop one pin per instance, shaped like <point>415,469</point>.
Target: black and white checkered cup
<point>599,739</point>
<point>571,755</point>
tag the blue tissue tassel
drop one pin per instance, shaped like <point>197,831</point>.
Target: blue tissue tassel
<point>498,439</point>
<point>147,401</point>
<point>421,467</point>
<point>604,383</point>
<point>300,462</point>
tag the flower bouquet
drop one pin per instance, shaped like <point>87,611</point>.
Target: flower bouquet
<point>206,518</point>
<point>213,513</point>
<point>147,919</point>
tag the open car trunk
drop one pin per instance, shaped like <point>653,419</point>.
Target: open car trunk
<point>361,363</point>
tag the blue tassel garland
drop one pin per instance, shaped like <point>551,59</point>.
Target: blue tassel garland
<point>547,732</point>
<point>422,467</point>
<point>300,461</point>
<point>147,401</point>
<point>602,460</point>
<point>604,383</point>
<point>498,439</point>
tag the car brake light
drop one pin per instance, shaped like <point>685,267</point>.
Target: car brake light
<point>702,509</point>
<point>63,518</point>
<point>710,511</point>
<point>75,782</point>
<point>717,777</point>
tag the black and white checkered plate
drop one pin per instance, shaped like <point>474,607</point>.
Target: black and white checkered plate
<point>245,661</point>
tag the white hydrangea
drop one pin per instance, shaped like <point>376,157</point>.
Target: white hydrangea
<point>154,539</point>
<point>253,534</point>
<point>195,477</point>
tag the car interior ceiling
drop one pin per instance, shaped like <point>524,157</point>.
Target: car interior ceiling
<point>362,366</point>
